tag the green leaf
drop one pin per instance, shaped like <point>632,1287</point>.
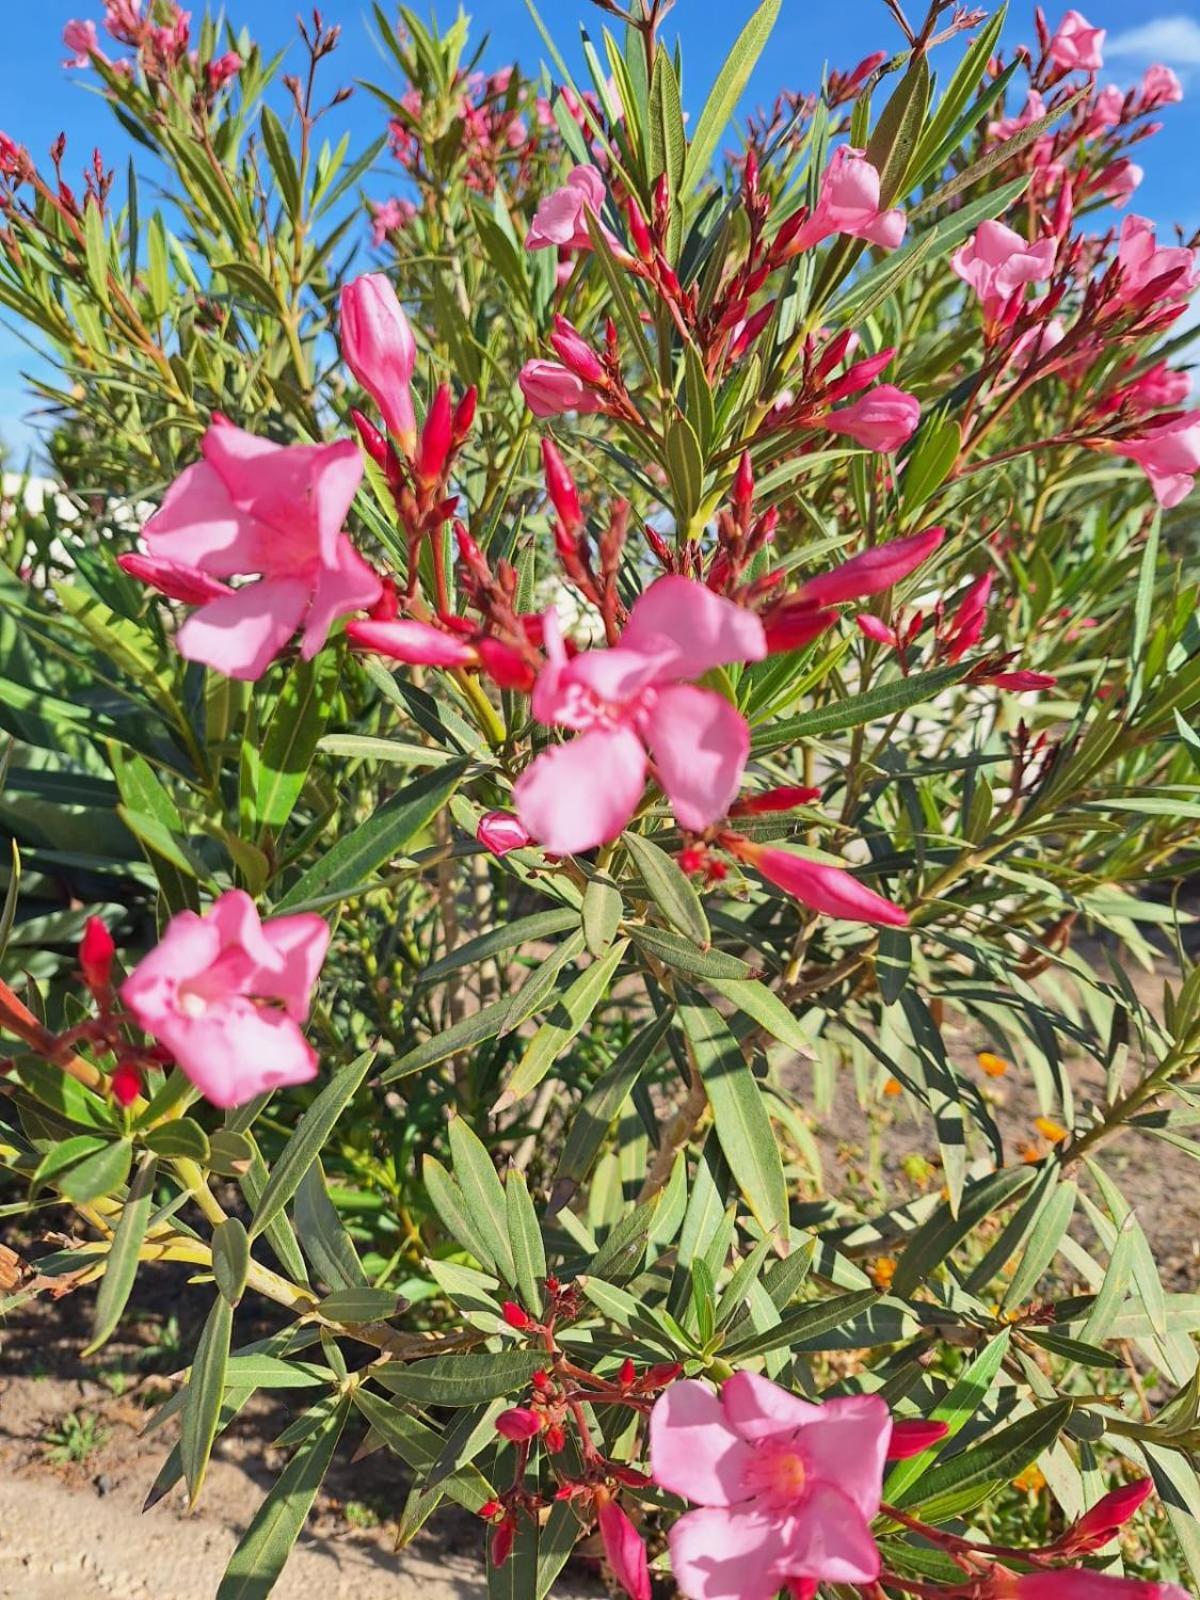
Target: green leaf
<point>892,144</point>
<point>588,1127</point>
<point>323,1236</point>
<point>464,1035</point>
<point>206,1388</point>
<point>283,164</point>
<point>525,1238</point>
<point>361,1304</point>
<point>970,1391</point>
<point>561,1026</point>
<point>740,1117</point>
<point>483,1193</point>
<point>420,1447</point>
<point>685,468</point>
<point>684,956</point>
<point>1054,1219</point>
<point>355,857</point>
<point>929,464</point>
<point>853,711</point>
<point>727,91</point>
<point>121,1266</point>
<point>543,983</point>
<point>231,1258</point>
<point>456,1216</point>
<point>179,1139</point>
<point>765,1007</point>
<point>669,887</point>
<point>602,909</point>
<point>506,936</point>
<point>266,1544</point>
<point>291,740</point>
<point>805,1324</point>
<point>308,1140</point>
<point>98,1174</point>
<point>461,1380</point>
<point>968,1479</point>
<point>933,1241</point>
<point>559,1535</point>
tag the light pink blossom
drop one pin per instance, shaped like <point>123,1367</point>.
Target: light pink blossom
<point>849,203</point>
<point>883,419</point>
<point>635,696</point>
<point>787,1489</point>
<point>1169,455</point>
<point>1077,46</point>
<point>80,37</point>
<point>550,389</point>
<point>998,263</point>
<point>560,222</point>
<point>501,831</point>
<point>222,70</point>
<point>1106,111</point>
<point>250,507</point>
<point>1143,262</point>
<point>1118,181</point>
<point>388,216</point>
<point>380,350</point>
<point>226,994</point>
<point>1160,87</point>
<point>1008,127</point>
<point>871,570</point>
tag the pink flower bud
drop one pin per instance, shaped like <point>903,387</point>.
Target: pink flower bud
<point>882,420</point>
<point>623,1548</point>
<point>81,38</point>
<point>96,952</point>
<point>416,643</point>
<point>795,623</point>
<point>1030,682</point>
<point>380,350</point>
<point>1104,1521</point>
<point>1083,1584</point>
<point>770,801</point>
<point>464,416</point>
<point>871,571</point>
<point>830,890</point>
<point>518,1424</point>
<point>172,578</point>
<point>560,486</point>
<point>222,70</point>
<point>516,1316</point>
<point>911,1438</point>
<point>502,1540</point>
<point>576,354</point>
<point>506,666</point>
<point>433,451</point>
<point>550,389</point>
<point>875,628</point>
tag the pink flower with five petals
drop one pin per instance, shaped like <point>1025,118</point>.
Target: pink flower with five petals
<point>635,697</point>
<point>255,508</point>
<point>786,1489</point>
<point>226,994</point>
<point>560,222</point>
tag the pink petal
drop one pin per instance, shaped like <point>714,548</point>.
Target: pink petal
<point>236,1050</point>
<point>846,1444</point>
<point>738,1554</point>
<point>694,1451</point>
<point>758,1409</point>
<point>302,942</point>
<point>188,947</point>
<point>172,578</point>
<point>581,794</point>
<point>198,525</point>
<point>235,917</point>
<point>624,1550</point>
<point>830,1539</point>
<point>614,675</point>
<point>350,584</point>
<point>705,629</point>
<point>700,744</point>
<point>241,634</point>
<point>415,643</point>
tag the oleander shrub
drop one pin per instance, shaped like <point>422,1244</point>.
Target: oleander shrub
<point>565,650</point>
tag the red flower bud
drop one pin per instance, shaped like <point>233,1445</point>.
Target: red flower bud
<point>515,1316</point>
<point>1103,1522</point>
<point>502,1541</point>
<point>555,1439</point>
<point>627,1373</point>
<point>743,484</point>
<point>372,441</point>
<point>560,486</point>
<point>96,952</point>
<point>911,1438</point>
<point>786,798</point>
<point>125,1083</point>
<point>518,1424</point>
<point>464,416</point>
<point>434,449</point>
<point>387,607</point>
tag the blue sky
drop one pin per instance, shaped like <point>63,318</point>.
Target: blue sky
<point>38,99</point>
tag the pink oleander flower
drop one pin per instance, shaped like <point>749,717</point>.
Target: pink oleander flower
<point>80,37</point>
<point>883,419</point>
<point>518,1424</point>
<point>560,222</point>
<point>1106,111</point>
<point>1169,454</point>
<point>1008,127</point>
<point>501,831</point>
<point>388,217</point>
<point>1081,1584</point>
<point>222,70</point>
<point>623,1548</point>
<point>1160,87</point>
<point>1037,342</point>
<point>1160,389</point>
<point>226,994</point>
<point>1077,46</point>
<point>276,512</point>
<point>913,1437</point>
<point>1118,182</point>
<point>805,614</point>
<point>998,263</point>
<point>635,697</point>
<point>833,891</point>
<point>124,20</point>
<point>849,203</point>
<point>379,348</point>
<point>551,389</point>
<point>787,1490</point>
<point>1143,262</point>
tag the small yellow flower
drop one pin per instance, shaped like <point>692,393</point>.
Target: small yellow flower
<point>1031,1481</point>
<point>993,1066</point>
<point>1049,1129</point>
<point>881,1271</point>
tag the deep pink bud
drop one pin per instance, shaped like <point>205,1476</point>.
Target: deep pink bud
<point>576,354</point>
<point>639,233</point>
<point>380,350</point>
<point>1028,681</point>
<point>828,889</point>
<point>172,578</point>
<point>502,1540</point>
<point>875,628</point>
<point>125,1083</point>
<point>911,1438</point>
<point>96,952</point>
<point>871,571</point>
<point>1082,1584</point>
<point>372,441</point>
<point>506,666</point>
<point>882,420</point>
<point>500,832</point>
<point>560,486</point>
<point>793,625</point>
<point>743,484</point>
<point>518,1424</point>
<point>786,798</point>
<point>436,438</point>
<point>464,416</point>
<point>516,1316</point>
<point>623,1548</point>
<point>550,389</point>
<point>416,643</point>
<point>1104,1521</point>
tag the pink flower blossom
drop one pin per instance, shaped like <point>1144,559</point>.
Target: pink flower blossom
<point>636,695</point>
<point>550,389</point>
<point>882,420</point>
<point>1106,111</point>
<point>787,1490</point>
<point>560,222</point>
<point>501,831</point>
<point>1009,127</point>
<point>1118,181</point>
<point>1082,1584</point>
<point>1077,45</point>
<point>389,216</point>
<point>1160,389</point>
<point>250,507</point>
<point>226,994</point>
<point>123,19</point>
<point>849,203</point>
<point>1171,269</point>
<point>1037,342</point>
<point>81,38</point>
<point>872,570</point>
<point>222,70</point>
<point>1169,454</point>
<point>819,885</point>
<point>379,348</point>
<point>997,263</point>
<point>623,1548</point>
<point>1160,87</point>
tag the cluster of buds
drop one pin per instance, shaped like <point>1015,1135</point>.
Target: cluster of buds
<point>499,122</point>
<point>159,36</point>
<point>554,1415</point>
<point>881,419</point>
<point>582,380</point>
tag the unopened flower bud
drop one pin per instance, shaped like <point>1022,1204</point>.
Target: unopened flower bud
<point>96,952</point>
<point>125,1083</point>
<point>513,1314</point>
<point>518,1424</point>
<point>910,1438</point>
<point>560,486</point>
<point>500,832</point>
<point>434,449</point>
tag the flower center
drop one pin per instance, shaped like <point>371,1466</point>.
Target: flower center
<point>583,709</point>
<point>777,1474</point>
<point>191,1003</point>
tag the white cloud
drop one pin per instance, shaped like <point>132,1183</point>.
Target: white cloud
<point>1172,40</point>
